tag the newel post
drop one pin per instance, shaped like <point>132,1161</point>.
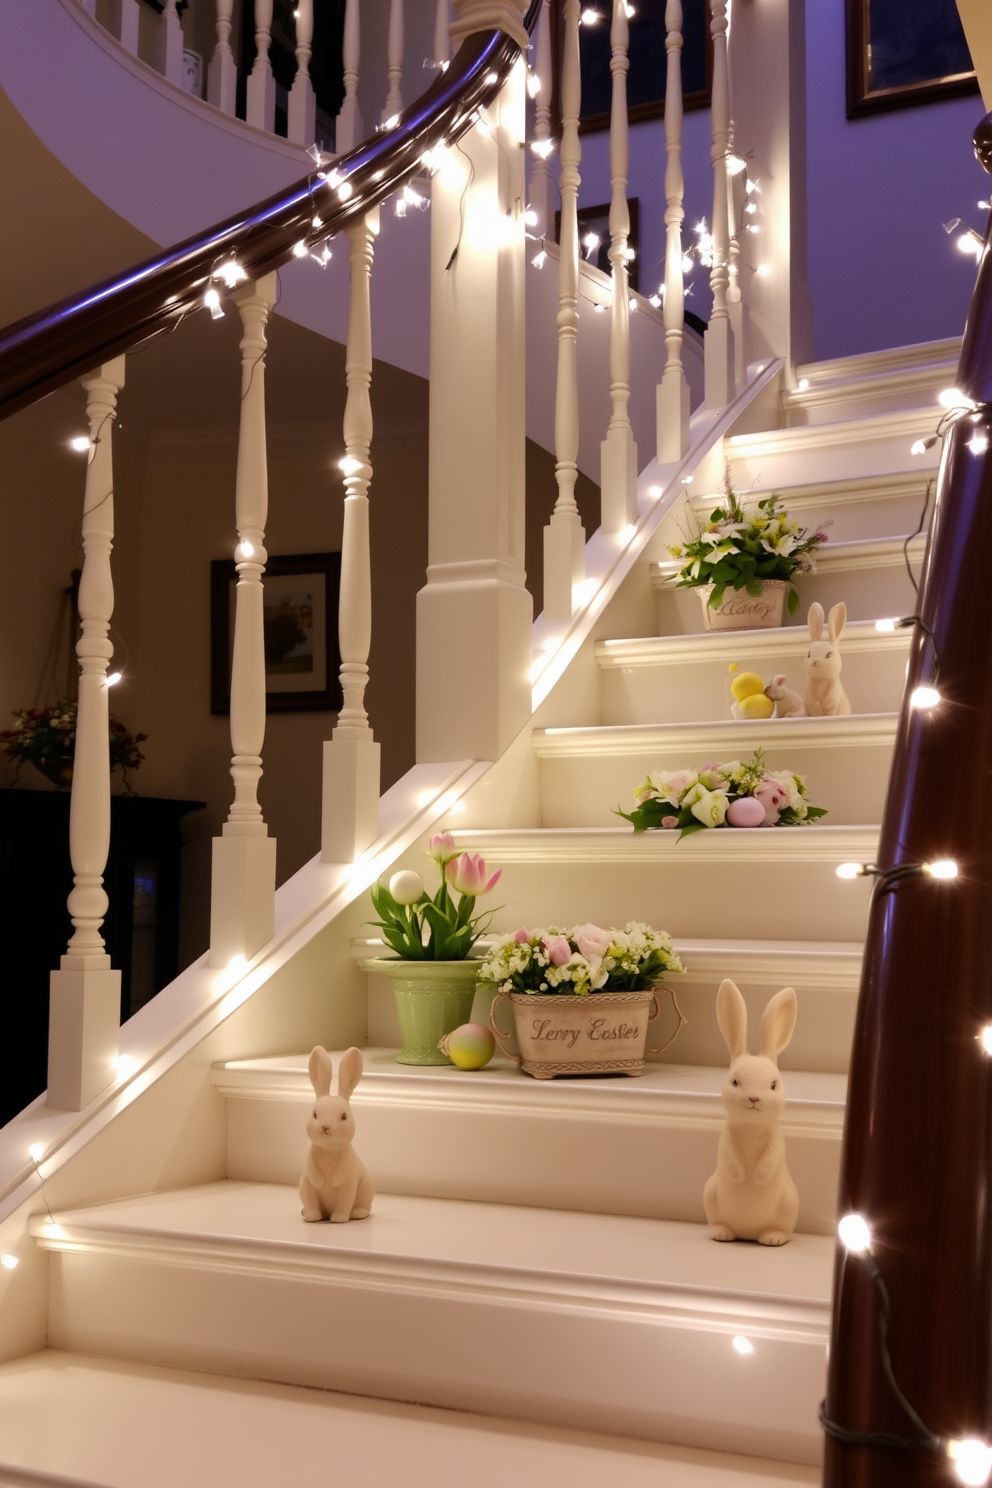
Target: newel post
<point>474,614</point>
<point>243,881</point>
<point>85,997</point>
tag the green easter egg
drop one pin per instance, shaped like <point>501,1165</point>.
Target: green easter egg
<point>470,1047</point>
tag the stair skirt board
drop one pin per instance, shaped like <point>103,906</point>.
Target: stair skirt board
<point>513,1312</point>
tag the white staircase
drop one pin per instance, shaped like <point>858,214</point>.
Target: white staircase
<point>536,1262</point>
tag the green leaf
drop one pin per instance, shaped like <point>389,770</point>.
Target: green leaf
<point>792,601</point>
<point>692,826</point>
<point>716,598</point>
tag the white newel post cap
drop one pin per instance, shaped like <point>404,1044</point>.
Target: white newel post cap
<point>490,15</point>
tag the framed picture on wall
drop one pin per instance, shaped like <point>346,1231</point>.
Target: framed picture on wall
<point>648,70</point>
<point>905,52</point>
<point>302,660</point>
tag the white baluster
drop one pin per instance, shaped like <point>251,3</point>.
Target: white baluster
<point>442,37</point>
<point>394,60</point>
<point>168,48</point>
<point>260,108</point>
<point>719,341</point>
<point>618,452</point>
<point>85,993</point>
<point>222,74</point>
<point>564,538</point>
<point>123,17</point>
<point>542,188</point>
<point>348,129</point>
<point>351,756</point>
<point>302,104</point>
<point>673,391</point>
<point>242,900</point>
<point>735,303</point>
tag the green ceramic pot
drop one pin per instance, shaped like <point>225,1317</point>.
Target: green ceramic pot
<point>432,998</point>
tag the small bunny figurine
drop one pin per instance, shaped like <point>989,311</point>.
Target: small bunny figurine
<point>824,693</point>
<point>751,1195</point>
<point>335,1184</point>
<point>788,704</point>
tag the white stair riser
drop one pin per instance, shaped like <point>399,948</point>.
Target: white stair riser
<point>672,1375</point>
<point>869,593</point>
<point>870,508</point>
<point>689,897</point>
<point>686,691</point>
<point>830,403</point>
<point>849,782</point>
<point>640,1167</point>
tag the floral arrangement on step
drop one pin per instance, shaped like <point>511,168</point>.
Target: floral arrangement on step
<point>445,927</point>
<point>46,737</point>
<point>579,961</point>
<point>743,545</point>
<point>737,794</point>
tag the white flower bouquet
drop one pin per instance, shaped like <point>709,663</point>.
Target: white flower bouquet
<point>579,961</point>
<point>737,794</point>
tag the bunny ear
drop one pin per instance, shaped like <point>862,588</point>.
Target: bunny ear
<point>838,619</point>
<point>320,1071</point>
<point>778,1022</point>
<point>815,618</point>
<point>731,1014</point>
<point>349,1071</point>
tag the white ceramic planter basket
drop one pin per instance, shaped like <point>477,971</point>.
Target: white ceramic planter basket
<point>604,1033</point>
<point>742,611</point>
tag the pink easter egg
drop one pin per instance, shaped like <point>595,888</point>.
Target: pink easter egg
<point>745,812</point>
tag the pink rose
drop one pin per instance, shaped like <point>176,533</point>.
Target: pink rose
<point>558,949</point>
<point>669,821</point>
<point>522,936</point>
<point>591,941</point>
<point>772,797</point>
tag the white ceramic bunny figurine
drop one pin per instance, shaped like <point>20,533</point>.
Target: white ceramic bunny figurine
<point>335,1184</point>
<point>824,693</point>
<point>751,1195</point>
<point>788,704</point>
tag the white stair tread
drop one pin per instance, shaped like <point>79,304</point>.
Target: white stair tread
<point>588,1258</point>
<point>816,843</point>
<point>833,557</point>
<point>74,1420</point>
<point>663,1089</point>
<point>741,735</point>
<point>787,641</point>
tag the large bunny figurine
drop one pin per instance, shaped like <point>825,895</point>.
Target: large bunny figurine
<point>334,1185</point>
<point>751,1195</point>
<point>824,693</point>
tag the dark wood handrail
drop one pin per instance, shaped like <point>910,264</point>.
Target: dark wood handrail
<point>48,349</point>
<point>917,1160</point>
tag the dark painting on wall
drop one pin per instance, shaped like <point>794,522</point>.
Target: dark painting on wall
<point>905,52</point>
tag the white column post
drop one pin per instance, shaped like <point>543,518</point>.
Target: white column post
<point>222,74</point>
<point>351,756</point>
<point>564,538</point>
<point>394,61</point>
<point>85,994</point>
<point>348,128</point>
<point>123,19</point>
<point>169,44</point>
<point>542,191</point>
<point>719,341</point>
<point>474,615</point>
<point>618,452</point>
<point>243,882</point>
<point>301,125</point>
<point>673,390</point>
<point>442,35</point>
<point>260,108</point>
<point>735,303</point>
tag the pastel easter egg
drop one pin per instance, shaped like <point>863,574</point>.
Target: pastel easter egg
<point>470,1047</point>
<point>746,684</point>
<point>745,812</point>
<point>757,706</point>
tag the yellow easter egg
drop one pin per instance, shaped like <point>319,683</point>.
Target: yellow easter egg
<point>745,686</point>
<point>757,706</point>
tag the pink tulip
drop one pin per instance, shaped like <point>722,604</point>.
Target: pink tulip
<point>558,949</point>
<point>467,875</point>
<point>442,848</point>
<point>522,936</point>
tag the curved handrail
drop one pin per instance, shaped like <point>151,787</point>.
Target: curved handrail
<point>49,348</point>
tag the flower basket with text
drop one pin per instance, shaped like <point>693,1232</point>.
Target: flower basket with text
<point>581,999</point>
<point>46,738</point>
<point>744,562</point>
<point>433,972</point>
<point>737,794</point>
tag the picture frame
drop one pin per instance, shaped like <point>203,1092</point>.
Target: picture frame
<point>303,660</point>
<point>901,53</point>
<point>647,76</point>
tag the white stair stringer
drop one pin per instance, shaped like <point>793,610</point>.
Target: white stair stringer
<point>477,1307</point>
<point>127,1425</point>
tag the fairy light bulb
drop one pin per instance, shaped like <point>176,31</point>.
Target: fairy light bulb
<point>542,148</point>
<point>114,678</point>
<point>80,444</point>
<point>743,1345</point>
<point>953,398</point>
<point>972,1460</point>
<point>349,465</point>
<point>924,698</point>
<point>300,249</point>
<point>8,1262</point>
<point>533,85</point>
<point>941,868</point>
<point>855,1234</point>
<point>850,870</point>
<point>212,301</point>
<point>978,443</point>
<point>36,1152</point>
<point>539,259</point>
<point>985,1037</point>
